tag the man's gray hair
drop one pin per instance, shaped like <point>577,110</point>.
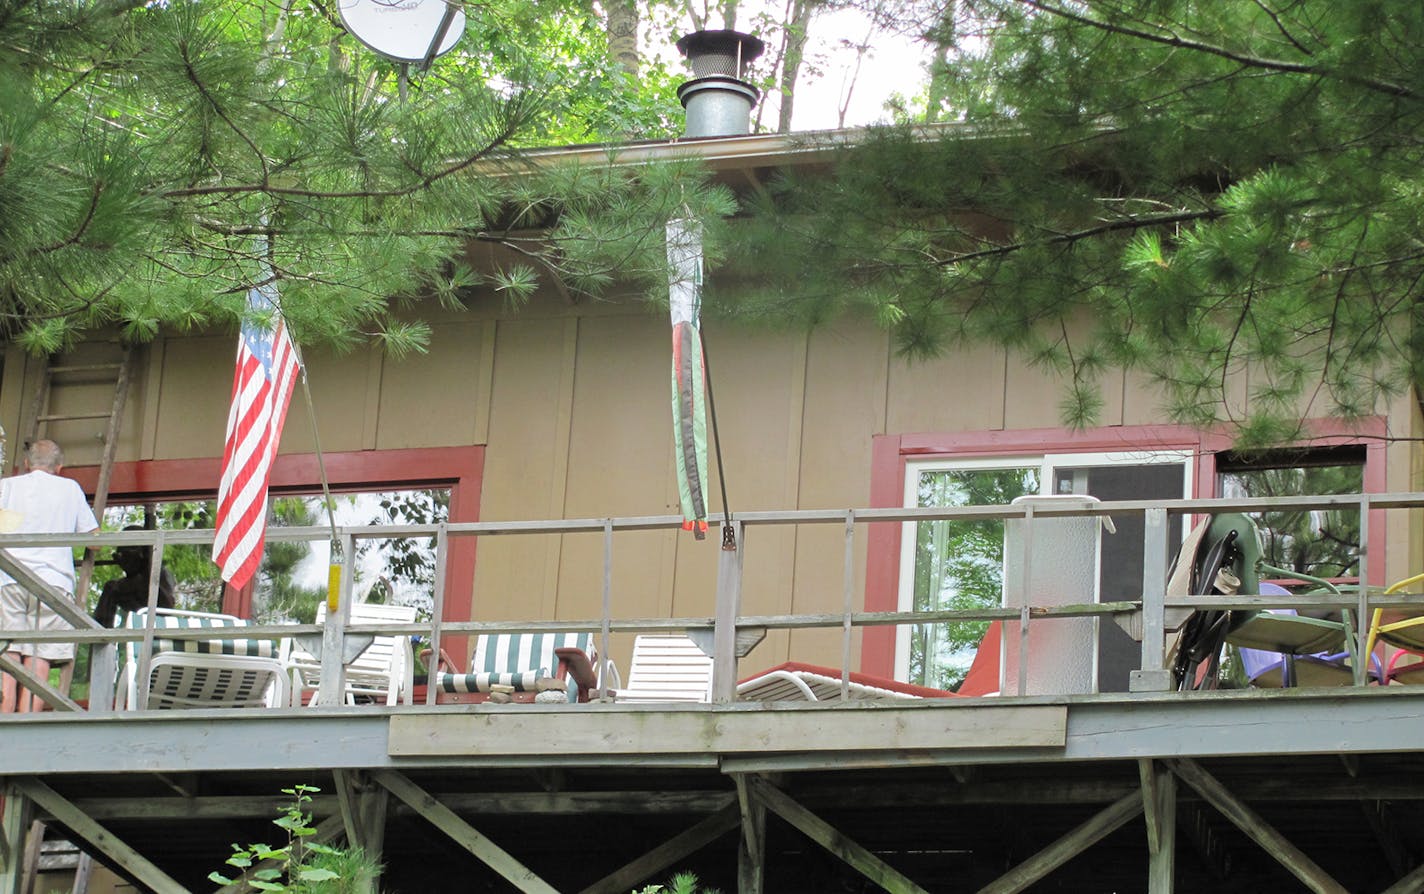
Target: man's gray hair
<point>44,454</point>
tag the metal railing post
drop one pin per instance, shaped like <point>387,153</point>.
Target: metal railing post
<point>437,610</point>
<point>332,691</point>
<point>848,604</point>
<point>1154,676</point>
<point>729,606</point>
<point>1362,617</point>
<point>606,621</point>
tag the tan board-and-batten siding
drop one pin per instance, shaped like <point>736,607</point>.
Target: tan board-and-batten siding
<point>572,404</point>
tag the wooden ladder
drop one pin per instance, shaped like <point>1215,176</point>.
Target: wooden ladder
<point>40,418</point>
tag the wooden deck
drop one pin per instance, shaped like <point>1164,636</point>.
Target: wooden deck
<point>1308,790</point>
<point>1151,790</point>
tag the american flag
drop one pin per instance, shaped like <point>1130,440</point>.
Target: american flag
<point>267,367</point>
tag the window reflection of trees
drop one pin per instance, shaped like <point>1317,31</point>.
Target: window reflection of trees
<point>1320,543</point>
<point>959,565</point>
<point>292,579</point>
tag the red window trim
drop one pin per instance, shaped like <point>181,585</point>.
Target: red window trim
<point>459,468</point>
<point>890,454</point>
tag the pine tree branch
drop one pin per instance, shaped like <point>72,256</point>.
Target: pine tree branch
<point>217,107</point>
<point>78,234</point>
<point>1280,26</point>
<point>268,188</point>
<point>1132,222</point>
<point>1387,87</point>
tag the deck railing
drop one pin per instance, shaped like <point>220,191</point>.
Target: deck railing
<point>1153,605</point>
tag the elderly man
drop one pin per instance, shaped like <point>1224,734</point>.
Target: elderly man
<point>47,504</point>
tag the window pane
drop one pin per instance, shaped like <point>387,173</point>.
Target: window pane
<point>292,578</point>
<point>959,565</point>
<point>198,586</point>
<point>1320,543</point>
<point>399,571</point>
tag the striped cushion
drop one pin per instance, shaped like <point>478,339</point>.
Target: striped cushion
<point>257,648</point>
<point>515,659</point>
<point>506,652</point>
<point>522,681</point>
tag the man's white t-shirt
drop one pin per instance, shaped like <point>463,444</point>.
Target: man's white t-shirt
<point>48,504</point>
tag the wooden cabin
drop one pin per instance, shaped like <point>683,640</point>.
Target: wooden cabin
<point>559,410</point>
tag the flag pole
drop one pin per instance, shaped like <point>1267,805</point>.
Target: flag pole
<point>333,574</point>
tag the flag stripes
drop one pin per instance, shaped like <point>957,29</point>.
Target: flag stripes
<point>266,372</point>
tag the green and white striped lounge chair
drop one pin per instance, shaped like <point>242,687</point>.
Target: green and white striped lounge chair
<point>522,661</point>
<point>224,671</point>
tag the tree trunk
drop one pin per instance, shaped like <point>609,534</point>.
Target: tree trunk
<point>943,38</point>
<point>622,28</point>
<point>793,51</point>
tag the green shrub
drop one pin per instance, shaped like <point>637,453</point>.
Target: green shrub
<point>299,866</point>
<point>682,883</point>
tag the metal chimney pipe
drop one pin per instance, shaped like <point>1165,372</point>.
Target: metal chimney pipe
<point>718,99</point>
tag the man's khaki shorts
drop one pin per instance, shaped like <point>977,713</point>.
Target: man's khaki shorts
<point>21,611</point>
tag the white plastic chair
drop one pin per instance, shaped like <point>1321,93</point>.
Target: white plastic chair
<point>385,669</point>
<point>667,668</point>
<point>225,671</point>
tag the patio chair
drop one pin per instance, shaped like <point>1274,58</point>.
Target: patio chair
<point>1228,562</point>
<point>225,671</point>
<point>525,664</point>
<point>1274,669</point>
<point>667,668</point>
<point>1406,635</point>
<point>794,681</point>
<point>381,672</point>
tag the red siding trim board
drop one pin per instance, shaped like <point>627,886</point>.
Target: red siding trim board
<point>459,468</point>
<point>890,454</point>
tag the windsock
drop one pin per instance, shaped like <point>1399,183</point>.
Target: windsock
<point>689,377</point>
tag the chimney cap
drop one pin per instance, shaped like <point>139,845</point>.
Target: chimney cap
<point>734,46</point>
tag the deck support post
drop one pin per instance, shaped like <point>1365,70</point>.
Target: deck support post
<point>1159,802</point>
<point>363,814</point>
<point>667,854</point>
<point>729,605</point>
<point>832,839</point>
<point>751,851</point>
<point>1256,828</point>
<point>1099,826</point>
<point>96,836</point>
<point>462,833</point>
<point>14,822</point>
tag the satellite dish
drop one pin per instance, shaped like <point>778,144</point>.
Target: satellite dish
<point>404,30</point>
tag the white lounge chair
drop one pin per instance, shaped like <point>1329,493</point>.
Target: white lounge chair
<point>667,668</point>
<point>224,671</point>
<point>383,671</point>
<point>794,681</point>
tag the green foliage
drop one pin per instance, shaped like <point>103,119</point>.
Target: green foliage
<point>199,587</point>
<point>301,866</point>
<point>157,160</point>
<point>409,561</point>
<point>279,595</point>
<point>682,883</point>
<point>1183,188</point>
